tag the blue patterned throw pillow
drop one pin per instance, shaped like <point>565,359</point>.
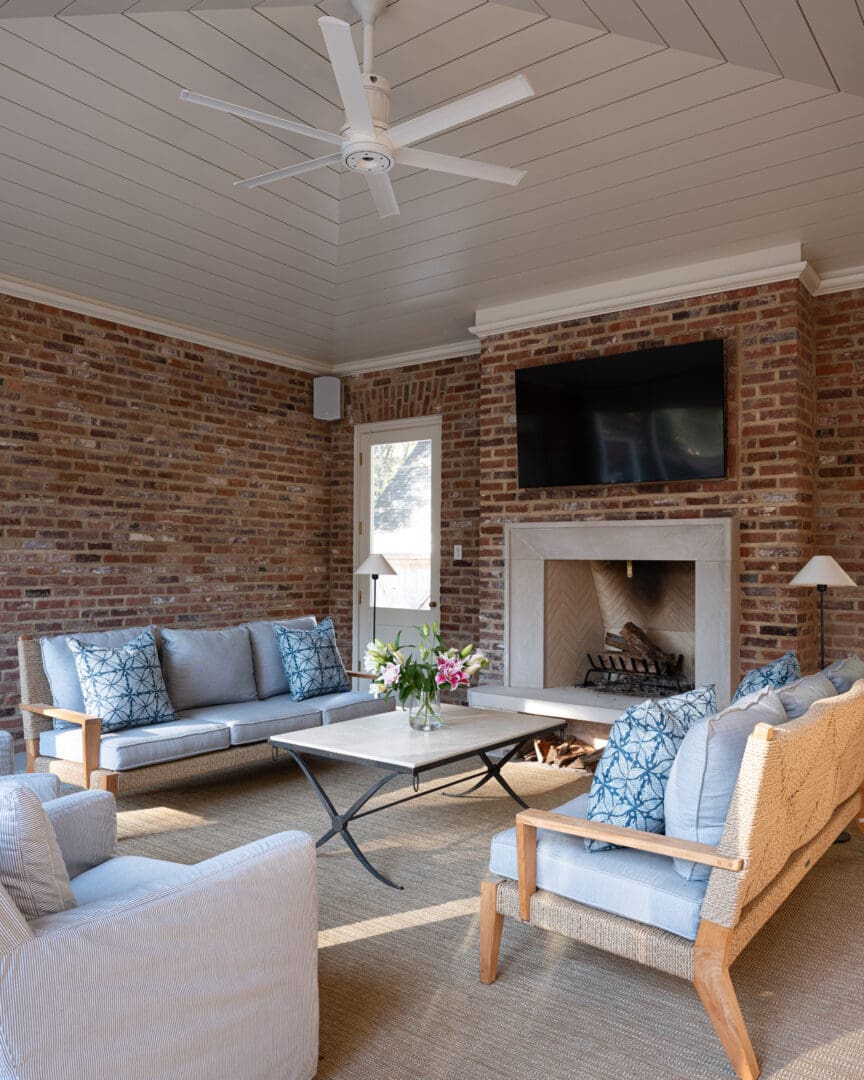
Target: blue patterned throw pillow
<point>772,676</point>
<point>629,786</point>
<point>311,660</point>
<point>124,686</point>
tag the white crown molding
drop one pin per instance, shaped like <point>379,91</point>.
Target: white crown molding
<point>469,347</point>
<point>835,281</point>
<point>82,305</point>
<point>644,290</point>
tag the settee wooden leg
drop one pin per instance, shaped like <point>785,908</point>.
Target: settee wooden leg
<point>491,925</point>
<point>714,987</point>
<point>32,746</point>
<point>107,782</point>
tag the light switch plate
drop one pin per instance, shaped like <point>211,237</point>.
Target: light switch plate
<point>457,552</point>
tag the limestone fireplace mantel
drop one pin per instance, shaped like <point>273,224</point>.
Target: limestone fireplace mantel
<point>711,544</point>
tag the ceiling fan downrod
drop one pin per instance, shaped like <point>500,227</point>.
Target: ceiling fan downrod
<point>369,10</point>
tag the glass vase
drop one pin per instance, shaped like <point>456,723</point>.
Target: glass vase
<point>424,711</point>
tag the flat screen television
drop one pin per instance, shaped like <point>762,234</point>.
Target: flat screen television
<point>639,417</point>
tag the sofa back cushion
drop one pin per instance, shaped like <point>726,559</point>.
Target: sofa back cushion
<point>705,771</point>
<point>843,673</point>
<point>798,696</point>
<point>123,686</point>
<point>207,667</point>
<point>59,663</point>
<point>31,867</point>
<point>270,677</point>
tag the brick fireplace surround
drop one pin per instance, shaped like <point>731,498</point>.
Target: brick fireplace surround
<point>148,480</point>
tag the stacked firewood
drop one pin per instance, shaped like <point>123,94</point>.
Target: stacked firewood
<point>633,641</point>
<point>568,754</point>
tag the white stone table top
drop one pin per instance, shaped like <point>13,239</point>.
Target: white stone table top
<point>386,739</point>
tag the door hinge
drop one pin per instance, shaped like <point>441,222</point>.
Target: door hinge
<point>359,528</point>
<point>361,461</point>
<point>359,596</point>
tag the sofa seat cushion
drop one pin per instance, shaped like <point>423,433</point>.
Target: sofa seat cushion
<point>207,667</point>
<point>349,705</point>
<point>134,747</point>
<point>120,875</point>
<point>634,884</point>
<point>255,721</point>
<point>270,677</point>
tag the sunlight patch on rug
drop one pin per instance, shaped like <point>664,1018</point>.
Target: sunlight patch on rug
<point>401,920</point>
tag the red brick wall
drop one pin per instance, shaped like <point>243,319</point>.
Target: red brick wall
<point>839,339</point>
<point>146,479</point>
<point>449,388</point>
<point>767,333</point>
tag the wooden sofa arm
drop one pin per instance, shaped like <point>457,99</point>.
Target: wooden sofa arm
<point>91,733</point>
<point>529,821</point>
<point>359,675</point>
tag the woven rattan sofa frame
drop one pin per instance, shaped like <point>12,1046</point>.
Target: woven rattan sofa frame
<point>800,783</point>
<point>37,717</point>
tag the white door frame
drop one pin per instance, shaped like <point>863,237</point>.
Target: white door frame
<point>385,427</point>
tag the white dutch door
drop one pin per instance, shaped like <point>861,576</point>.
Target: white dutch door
<point>398,515</point>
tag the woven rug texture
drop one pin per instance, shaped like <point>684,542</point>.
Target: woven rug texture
<point>400,996</point>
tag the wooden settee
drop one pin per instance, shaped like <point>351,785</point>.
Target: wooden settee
<point>799,785</point>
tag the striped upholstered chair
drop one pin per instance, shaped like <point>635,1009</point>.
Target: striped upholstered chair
<point>162,970</point>
<point>799,785</point>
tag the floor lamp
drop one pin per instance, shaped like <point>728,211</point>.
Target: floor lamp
<point>823,571</point>
<point>375,566</point>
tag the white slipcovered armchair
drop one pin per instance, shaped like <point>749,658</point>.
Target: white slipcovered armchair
<point>162,970</point>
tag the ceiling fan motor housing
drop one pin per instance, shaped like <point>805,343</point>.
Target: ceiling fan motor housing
<point>371,155</point>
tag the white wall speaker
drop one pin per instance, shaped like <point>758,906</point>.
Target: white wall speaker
<point>327,398</point>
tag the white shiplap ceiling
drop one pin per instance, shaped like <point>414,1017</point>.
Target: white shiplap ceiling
<point>663,132</point>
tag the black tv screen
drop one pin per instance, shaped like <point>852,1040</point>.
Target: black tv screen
<point>652,415</point>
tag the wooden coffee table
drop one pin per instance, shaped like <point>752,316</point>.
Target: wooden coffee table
<point>385,741</point>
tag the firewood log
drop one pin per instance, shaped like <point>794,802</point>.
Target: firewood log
<point>640,645</point>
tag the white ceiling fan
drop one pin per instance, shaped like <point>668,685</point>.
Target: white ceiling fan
<point>367,143</point>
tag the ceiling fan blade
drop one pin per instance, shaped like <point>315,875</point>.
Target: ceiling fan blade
<point>459,112</point>
<point>343,57</point>
<point>259,117</point>
<point>479,170</point>
<point>383,194</point>
<point>291,170</point>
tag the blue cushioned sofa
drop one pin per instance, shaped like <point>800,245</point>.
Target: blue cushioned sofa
<point>227,687</point>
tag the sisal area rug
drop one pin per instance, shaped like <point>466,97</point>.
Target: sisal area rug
<point>400,997</point>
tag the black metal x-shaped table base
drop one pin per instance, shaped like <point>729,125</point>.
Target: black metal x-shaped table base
<point>339,822</point>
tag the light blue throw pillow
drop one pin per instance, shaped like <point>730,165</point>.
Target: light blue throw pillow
<point>123,686</point>
<point>705,772</point>
<point>629,785</point>
<point>772,676</point>
<point>798,696</point>
<point>311,660</point>
<point>843,673</point>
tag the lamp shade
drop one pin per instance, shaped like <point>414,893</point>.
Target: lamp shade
<point>375,564</point>
<point>823,570</point>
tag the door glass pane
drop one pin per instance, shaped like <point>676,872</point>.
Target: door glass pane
<point>402,521</point>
